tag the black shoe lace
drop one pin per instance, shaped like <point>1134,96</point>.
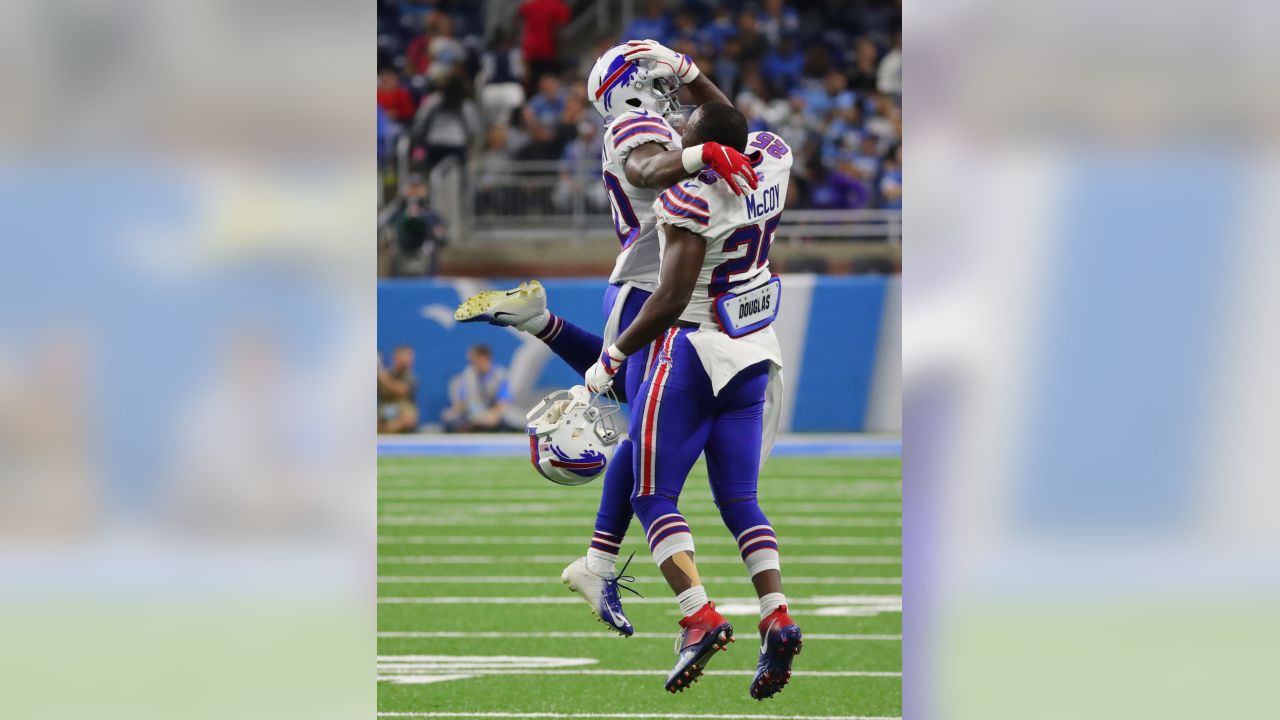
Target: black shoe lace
<point>620,577</point>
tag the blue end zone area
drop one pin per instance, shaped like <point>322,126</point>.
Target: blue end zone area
<point>518,445</point>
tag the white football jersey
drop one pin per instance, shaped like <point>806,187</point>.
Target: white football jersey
<point>738,230</point>
<point>633,218</point>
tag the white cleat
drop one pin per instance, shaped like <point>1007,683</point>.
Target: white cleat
<point>601,593</point>
<point>523,307</point>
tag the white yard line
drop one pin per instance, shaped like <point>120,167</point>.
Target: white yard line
<point>631,716</point>
<point>600,635</point>
<point>578,508</point>
<point>384,675</point>
<point>584,522</point>
<point>569,599</point>
<point>547,579</point>
<point>565,560</point>
<point>579,540</point>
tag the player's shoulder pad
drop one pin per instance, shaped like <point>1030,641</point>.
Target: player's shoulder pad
<point>685,205</point>
<point>637,127</point>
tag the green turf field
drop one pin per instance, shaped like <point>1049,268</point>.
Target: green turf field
<point>474,622</point>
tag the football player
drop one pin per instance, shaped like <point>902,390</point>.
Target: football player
<point>633,86</point>
<point>710,347</point>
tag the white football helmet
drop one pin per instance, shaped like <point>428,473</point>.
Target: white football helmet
<point>617,84</point>
<point>572,435</point>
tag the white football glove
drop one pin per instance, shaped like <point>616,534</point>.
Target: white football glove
<point>599,377</point>
<point>666,62</point>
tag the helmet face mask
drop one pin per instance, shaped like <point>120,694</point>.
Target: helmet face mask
<point>572,435</point>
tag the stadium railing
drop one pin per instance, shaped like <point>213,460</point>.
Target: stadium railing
<point>511,201</point>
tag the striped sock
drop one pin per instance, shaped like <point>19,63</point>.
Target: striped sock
<point>602,554</point>
<point>770,602</point>
<point>549,328</point>
<point>668,535</point>
<point>759,548</point>
<point>692,600</point>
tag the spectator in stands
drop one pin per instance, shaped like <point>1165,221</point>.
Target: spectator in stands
<point>420,233</point>
<point>652,25</point>
<point>778,21</point>
<point>478,396</point>
<point>393,97</point>
<point>726,68</point>
<point>882,123</point>
<point>493,191</point>
<point>446,121</point>
<point>397,393</point>
<point>816,78</point>
<point>548,103</point>
<point>845,125</point>
<point>719,30</point>
<point>569,125</point>
<point>685,28</point>
<point>499,80</point>
<point>782,66</point>
<point>436,28</point>
<point>446,54</point>
<point>541,39</point>
<point>580,173</point>
<point>830,189</point>
<point>749,31</point>
<point>866,66</point>
<point>387,133</point>
<point>865,159</point>
<point>542,144</point>
<point>891,180</point>
<point>889,73</point>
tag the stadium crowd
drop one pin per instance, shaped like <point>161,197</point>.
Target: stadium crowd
<point>824,74</point>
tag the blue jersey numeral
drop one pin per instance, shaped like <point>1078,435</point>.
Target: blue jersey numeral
<point>757,238</point>
<point>771,144</point>
<point>625,222</point>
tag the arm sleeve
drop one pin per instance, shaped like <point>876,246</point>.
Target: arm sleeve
<point>636,128</point>
<point>683,207</point>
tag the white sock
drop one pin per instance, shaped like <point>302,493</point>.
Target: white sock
<point>692,600</point>
<point>602,563</point>
<point>770,602</point>
<point>535,325</point>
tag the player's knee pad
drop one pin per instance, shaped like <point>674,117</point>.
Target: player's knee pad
<point>664,527</point>
<point>757,543</point>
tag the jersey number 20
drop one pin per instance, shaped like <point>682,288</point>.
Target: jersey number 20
<point>625,222</point>
<point>757,239</point>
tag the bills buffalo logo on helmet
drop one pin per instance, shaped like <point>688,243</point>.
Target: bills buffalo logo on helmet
<point>619,72</point>
<point>588,464</point>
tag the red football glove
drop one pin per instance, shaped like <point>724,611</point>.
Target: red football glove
<point>731,165</point>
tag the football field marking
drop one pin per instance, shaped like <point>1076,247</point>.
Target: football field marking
<point>832,606</point>
<point>563,560</point>
<point>635,715</point>
<point>403,673</point>
<point>543,579</point>
<point>600,635</point>
<point>578,507</point>
<point>573,600</point>
<point>578,540</point>
<point>578,522</point>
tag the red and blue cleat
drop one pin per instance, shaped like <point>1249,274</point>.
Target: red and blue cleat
<point>705,633</point>
<point>779,643</point>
